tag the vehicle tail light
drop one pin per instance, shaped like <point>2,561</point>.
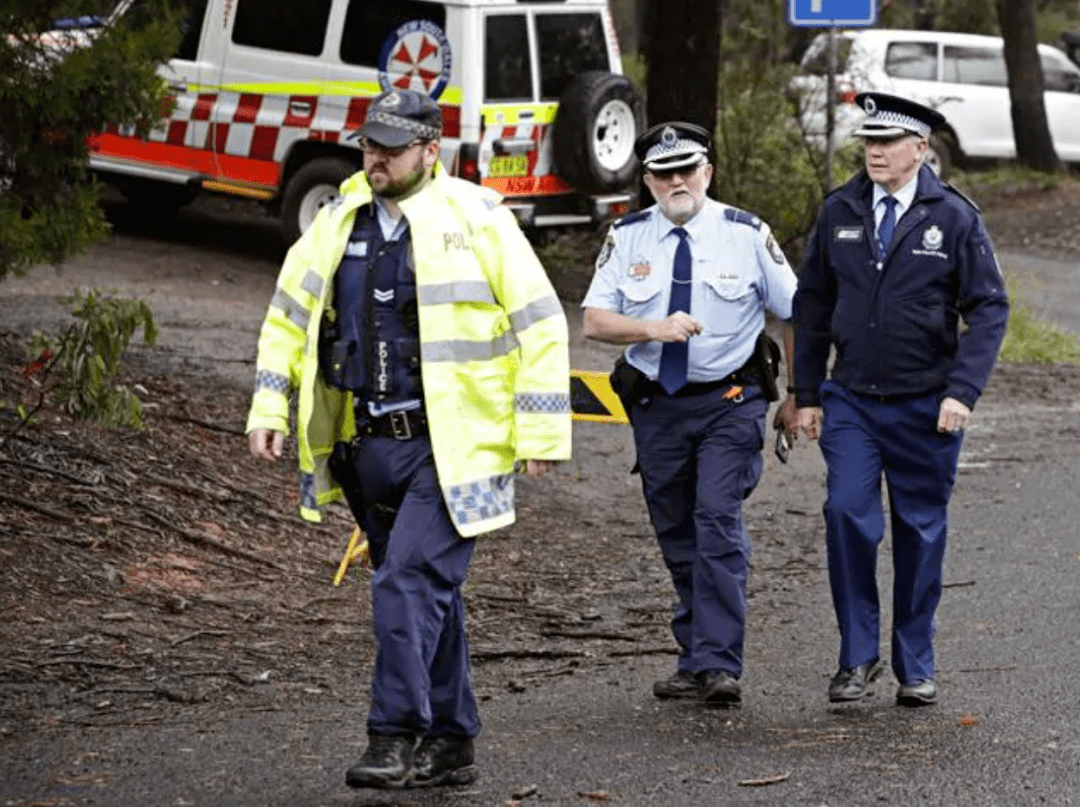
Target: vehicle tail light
<point>845,94</point>
<point>468,162</point>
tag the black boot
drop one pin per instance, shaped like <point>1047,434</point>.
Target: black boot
<point>444,759</point>
<point>386,764</point>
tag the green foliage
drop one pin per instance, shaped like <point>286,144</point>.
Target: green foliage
<point>764,165</point>
<point>1029,339</point>
<point>86,357</point>
<point>56,92</point>
<point>1003,180</point>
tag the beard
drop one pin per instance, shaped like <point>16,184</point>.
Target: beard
<point>681,207</point>
<point>404,185</point>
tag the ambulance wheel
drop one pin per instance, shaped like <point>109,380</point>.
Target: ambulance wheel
<point>309,190</point>
<point>160,197</point>
<point>600,116</point>
<point>941,155</point>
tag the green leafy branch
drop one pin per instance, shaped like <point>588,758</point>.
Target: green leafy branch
<point>77,368</point>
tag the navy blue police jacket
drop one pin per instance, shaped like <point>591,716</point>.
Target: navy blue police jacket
<point>894,319</point>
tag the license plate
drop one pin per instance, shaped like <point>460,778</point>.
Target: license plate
<point>509,165</point>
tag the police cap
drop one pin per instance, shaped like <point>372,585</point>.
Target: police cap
<point>672,145</point>
<point>399,117</point>
<point>892,116</point>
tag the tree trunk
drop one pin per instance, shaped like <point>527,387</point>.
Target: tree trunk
<point>1034,146</point>
<point>682,50</point>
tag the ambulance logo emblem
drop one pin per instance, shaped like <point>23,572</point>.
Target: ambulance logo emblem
<point>416,57</point>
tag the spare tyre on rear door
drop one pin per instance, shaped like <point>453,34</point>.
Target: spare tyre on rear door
<point>600,116</point>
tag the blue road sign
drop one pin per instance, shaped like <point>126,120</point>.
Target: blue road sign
<point>832,13</point>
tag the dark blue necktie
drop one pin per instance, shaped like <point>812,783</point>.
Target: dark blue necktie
<point>887,226</point>
<point>673,356</point>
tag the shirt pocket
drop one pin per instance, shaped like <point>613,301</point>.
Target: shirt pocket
<point>728,303</point>
<point>642,298</point>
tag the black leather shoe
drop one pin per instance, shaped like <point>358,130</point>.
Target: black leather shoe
<point>921,693</point>
<point>386,764</point>
<point>853,683</point>
<point>445,759</point>
<point>683,684</point>
<point>719,688</point>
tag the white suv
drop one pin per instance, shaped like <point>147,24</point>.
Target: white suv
<point>963,76</point>
<point>267,93</point>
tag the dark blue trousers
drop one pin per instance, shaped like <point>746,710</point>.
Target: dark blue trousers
<point>700,456</point>
<point>863,437</point>
<point>421,683</point>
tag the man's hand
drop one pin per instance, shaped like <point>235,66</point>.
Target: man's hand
<point>678,327</point>
<point>266,443</point>
<point>810,421</point>
<point>536,468</point>
<point>787,418</point>
<point>953,416</point>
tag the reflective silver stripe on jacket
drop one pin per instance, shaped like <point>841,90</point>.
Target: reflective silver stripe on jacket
<point>459,350</point>
<point>534,312</point>
<point>297,314</point>
<point>544,403</point>
<point>312,284</point>
<point>481,499</point>
<point>461,291</point>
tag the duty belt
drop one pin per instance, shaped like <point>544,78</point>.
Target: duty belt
<point>401,425</point>
<point>739,377</point>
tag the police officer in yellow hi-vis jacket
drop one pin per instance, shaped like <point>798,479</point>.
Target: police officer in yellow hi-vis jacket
<point>428,353</point>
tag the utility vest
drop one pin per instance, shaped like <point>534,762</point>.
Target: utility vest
<point>369,342</point>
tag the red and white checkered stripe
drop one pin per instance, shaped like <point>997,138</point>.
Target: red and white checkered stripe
<point>266,127</point>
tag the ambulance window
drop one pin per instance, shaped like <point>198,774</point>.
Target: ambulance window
<point>569,44</point>
<point>292,26</point>
<point>371,25</point>
<point>507,69</point>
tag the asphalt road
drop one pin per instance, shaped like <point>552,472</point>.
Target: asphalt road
<point>1004,733</point>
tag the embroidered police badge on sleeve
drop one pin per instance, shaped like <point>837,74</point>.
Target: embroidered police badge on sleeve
<point>605,252</point>
<point>774,250</point>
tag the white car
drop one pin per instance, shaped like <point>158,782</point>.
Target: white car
<point>963,76</point>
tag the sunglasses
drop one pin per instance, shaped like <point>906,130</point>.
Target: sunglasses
<point>370,145</point>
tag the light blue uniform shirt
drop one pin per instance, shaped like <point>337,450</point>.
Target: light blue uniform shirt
<point>739,272</point>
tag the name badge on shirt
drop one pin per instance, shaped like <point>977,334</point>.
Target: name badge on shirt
<point>357,249</point>
<point>640,271</point>
<point>847,235</point>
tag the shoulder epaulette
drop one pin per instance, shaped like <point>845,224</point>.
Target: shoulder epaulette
<point>742,217</point>
<point>961,194</point>
<point>632,218</point>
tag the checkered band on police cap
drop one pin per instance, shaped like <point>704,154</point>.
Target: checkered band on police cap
<point>891,116</point>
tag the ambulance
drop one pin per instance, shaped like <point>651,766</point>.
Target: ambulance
<point>267,95</point>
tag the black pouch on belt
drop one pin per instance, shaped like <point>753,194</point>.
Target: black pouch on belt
<point>767,362</point>
<point>344,473</point>
<point>624,380</point>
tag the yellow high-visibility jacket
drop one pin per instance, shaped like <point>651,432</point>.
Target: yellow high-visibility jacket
<point>493,349</point>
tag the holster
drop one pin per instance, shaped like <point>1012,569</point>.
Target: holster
<point>625,379</point>
<point>344,472</point>
<point>767,363</point>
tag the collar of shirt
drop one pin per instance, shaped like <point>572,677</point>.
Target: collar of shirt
<point>391,228</point>
<point>904,197</point>
<point>694,228</point>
